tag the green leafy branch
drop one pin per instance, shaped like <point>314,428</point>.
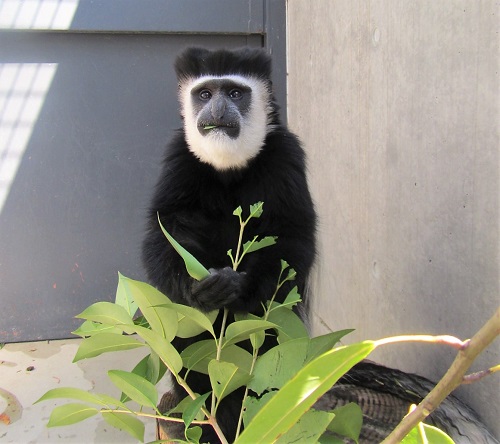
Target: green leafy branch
<point>286,380</point>
<point>253,245</point>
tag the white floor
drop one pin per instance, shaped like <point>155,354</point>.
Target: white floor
<point>28,370</point>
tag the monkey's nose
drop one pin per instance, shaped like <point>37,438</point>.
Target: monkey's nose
<point>218,108</point>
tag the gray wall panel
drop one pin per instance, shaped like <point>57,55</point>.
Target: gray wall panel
<point>397,103</point>
<point>165,16</point>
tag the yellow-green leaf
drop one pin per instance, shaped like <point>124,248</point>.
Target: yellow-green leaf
<point>348,421</point>
<point>152,304</point>
<point>103,343</point>
<point>126,422</point>
<point>106,313</point>
<point>226,377</point>
<point>71,393</point>
<point>425,433</point>
<point>90,328</point>
<point>301,392</point>
<point>192,322</point>
<point>135,387</point>
<point>125,299</point>
<point>70,414</point>
<point>163,348</point>
<point>308,428</point>
<point>241,330</point>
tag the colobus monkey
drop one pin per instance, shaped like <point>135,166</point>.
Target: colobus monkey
<point>232,151</point>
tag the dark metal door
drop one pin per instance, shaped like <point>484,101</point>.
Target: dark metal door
<point>87,104</point>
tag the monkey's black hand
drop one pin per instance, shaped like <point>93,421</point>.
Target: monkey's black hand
<point>218,290</point>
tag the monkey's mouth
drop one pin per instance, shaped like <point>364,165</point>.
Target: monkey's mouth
<point>230,129</point>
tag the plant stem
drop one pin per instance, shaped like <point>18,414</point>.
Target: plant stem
<point>219,350</point>
<point>255,354</point>
<point>240,418</point>
<point>451,380</point>
<point>451,341</point>
<point>151,415</point>
<point>237,258</point>
<point>217,429</point>
<point>477,376</point>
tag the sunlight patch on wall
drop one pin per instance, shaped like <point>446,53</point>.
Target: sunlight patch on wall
<point>23,88</point>
<point>37,14</point>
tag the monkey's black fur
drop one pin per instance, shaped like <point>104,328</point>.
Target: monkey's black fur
<point>198,62</point>
<point>196,203</point>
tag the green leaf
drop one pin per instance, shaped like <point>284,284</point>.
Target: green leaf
<point>431,434</point>
<point>191,321</point>
<point>193,409</point>
<point>70,393</point>
<point>70,414</point>
<point>254,245</point>
<point>135,387</point>
<point>238,356</point>
<point>292,299</point>
<point>256,209</point>
<point>193,434</point>
<point>308,428</point>
<point>257,339</point>
<point>110,401</point>
<point>126,422</point>
<point>124,299</point>
<point>278,365</point>
<point>301,392</point>
<point>106,313</point>
<point>182,406</point>
<point>323,343</point>
<point>103,343</point>
<point>151,301</point>
<point>198,355</point>
<point>289,324</point>
<point>225,378</point>
<point>238,212</point>
<point>292,274</point>
<point>195,269</point>
<point>348,421</point>
<point>81,395</point>
<point>151,368</point>
<point>155,368</point>
<point>90,328</point>
<point>163,348</point>
<point>241,330</point>
<point>253,405</point>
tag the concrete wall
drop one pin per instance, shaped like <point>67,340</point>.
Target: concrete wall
<point>397,105</point>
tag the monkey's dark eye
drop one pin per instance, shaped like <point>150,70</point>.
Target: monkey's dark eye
<point>235,94</point>
<point>205,94</point>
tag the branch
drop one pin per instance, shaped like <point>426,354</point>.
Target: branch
<point>477,376</point>
<point>451,380</point>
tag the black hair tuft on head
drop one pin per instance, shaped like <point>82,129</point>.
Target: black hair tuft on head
<point>197,62</point>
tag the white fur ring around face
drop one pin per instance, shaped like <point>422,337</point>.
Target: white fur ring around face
<point>217,148</point>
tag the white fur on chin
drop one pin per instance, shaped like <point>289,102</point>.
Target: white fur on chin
<point>218,149</point>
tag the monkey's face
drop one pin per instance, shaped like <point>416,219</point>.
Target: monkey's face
<point>225,119</point>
